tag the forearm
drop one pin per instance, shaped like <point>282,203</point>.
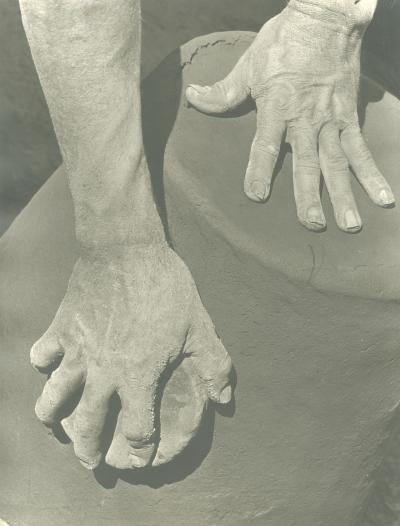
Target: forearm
<point>87,54</point>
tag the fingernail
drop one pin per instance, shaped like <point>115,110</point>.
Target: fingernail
<point>386,197</point>
<point>137,462</point>
<point>259,190</point>
<point>351,221</point>
<point>226,395</point>
<point>89,464</point>
<point>314,216</point>
<point>199,89</point>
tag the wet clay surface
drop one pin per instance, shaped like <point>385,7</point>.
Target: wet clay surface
<point>317,371</point>
<point>213,153</point>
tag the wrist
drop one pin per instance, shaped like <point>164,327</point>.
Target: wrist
<point>122,255</point>
<point>115,233</point>
<point>347,17</point>
<point>118,215</point>
<point>327,33</point>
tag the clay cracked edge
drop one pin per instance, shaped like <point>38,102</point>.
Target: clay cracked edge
<point>241,242</point>
<point>228,38</point>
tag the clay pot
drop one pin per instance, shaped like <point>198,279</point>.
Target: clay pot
<point>311,322</point>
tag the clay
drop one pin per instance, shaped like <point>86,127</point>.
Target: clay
<point>309,323</point>
<point>364,265</point>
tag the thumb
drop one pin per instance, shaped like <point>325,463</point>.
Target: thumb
<point>223,96</point>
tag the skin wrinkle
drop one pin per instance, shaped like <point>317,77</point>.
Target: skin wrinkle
<point>78,47</point>
<point>308,78</point>
<point>130,300</point>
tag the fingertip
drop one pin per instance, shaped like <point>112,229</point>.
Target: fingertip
<point>386,198</point>
<point>42,414</point>
<point>314,219</point>
<point>137,461</point>
<point>90,464</point>
<point>44,353</point>
<point>122,455</point>
<point>350,222</point>
<point>226,395</point>
<point>257,191</point>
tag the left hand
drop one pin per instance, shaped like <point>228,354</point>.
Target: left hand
<point>303,72</point>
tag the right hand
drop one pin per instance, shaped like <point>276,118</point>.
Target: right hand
<point>124,319</point>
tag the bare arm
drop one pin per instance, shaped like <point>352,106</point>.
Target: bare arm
<point>87,55</point>
<point>131,307</point>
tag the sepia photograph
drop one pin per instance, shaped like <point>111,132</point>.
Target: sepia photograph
<point>199,263</point>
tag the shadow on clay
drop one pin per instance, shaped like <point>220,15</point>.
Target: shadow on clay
<point>160,105</point>
<point>183,465</point>
<point>381,505</point>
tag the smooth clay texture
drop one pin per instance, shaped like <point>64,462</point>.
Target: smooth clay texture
<point>309,320</point>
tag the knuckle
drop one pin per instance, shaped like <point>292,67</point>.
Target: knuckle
<point>220,89</point>
<point>265,146</point>
<point>306,158</point>
<point>363,154</point>
<point>82,430</point>
<point>139,431</point>
<point>330,147</point>
<point>140,436</point>
<point>304,166</point>
<point>340,170</point>
<point>336,159</point>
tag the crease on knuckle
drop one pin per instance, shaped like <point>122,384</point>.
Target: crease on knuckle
<point>266,147</point>
<point>362,153</point>
<point>307,164</point>
<point>334,156</point>
<point>141,436</point>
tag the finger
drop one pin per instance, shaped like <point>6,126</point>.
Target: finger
<point>134,440</point>
<point>307,177</point>
<point>264,152</point>
<point>184,403</point>
<point>46,351</point>
<point>210,358</point>
<point>68,424</point>
<point>365,168</point>
<point>224,95</point>
<point>90,416</point>
<point>62,384</point>
<point>336,174</point>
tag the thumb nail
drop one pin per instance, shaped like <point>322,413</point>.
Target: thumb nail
<point>259,190</point>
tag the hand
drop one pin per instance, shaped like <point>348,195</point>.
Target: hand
<point>303,72</point>
<point>124,318</point>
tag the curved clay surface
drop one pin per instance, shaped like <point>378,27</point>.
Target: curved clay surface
<point>316,353</point>
<point>211,153</point>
